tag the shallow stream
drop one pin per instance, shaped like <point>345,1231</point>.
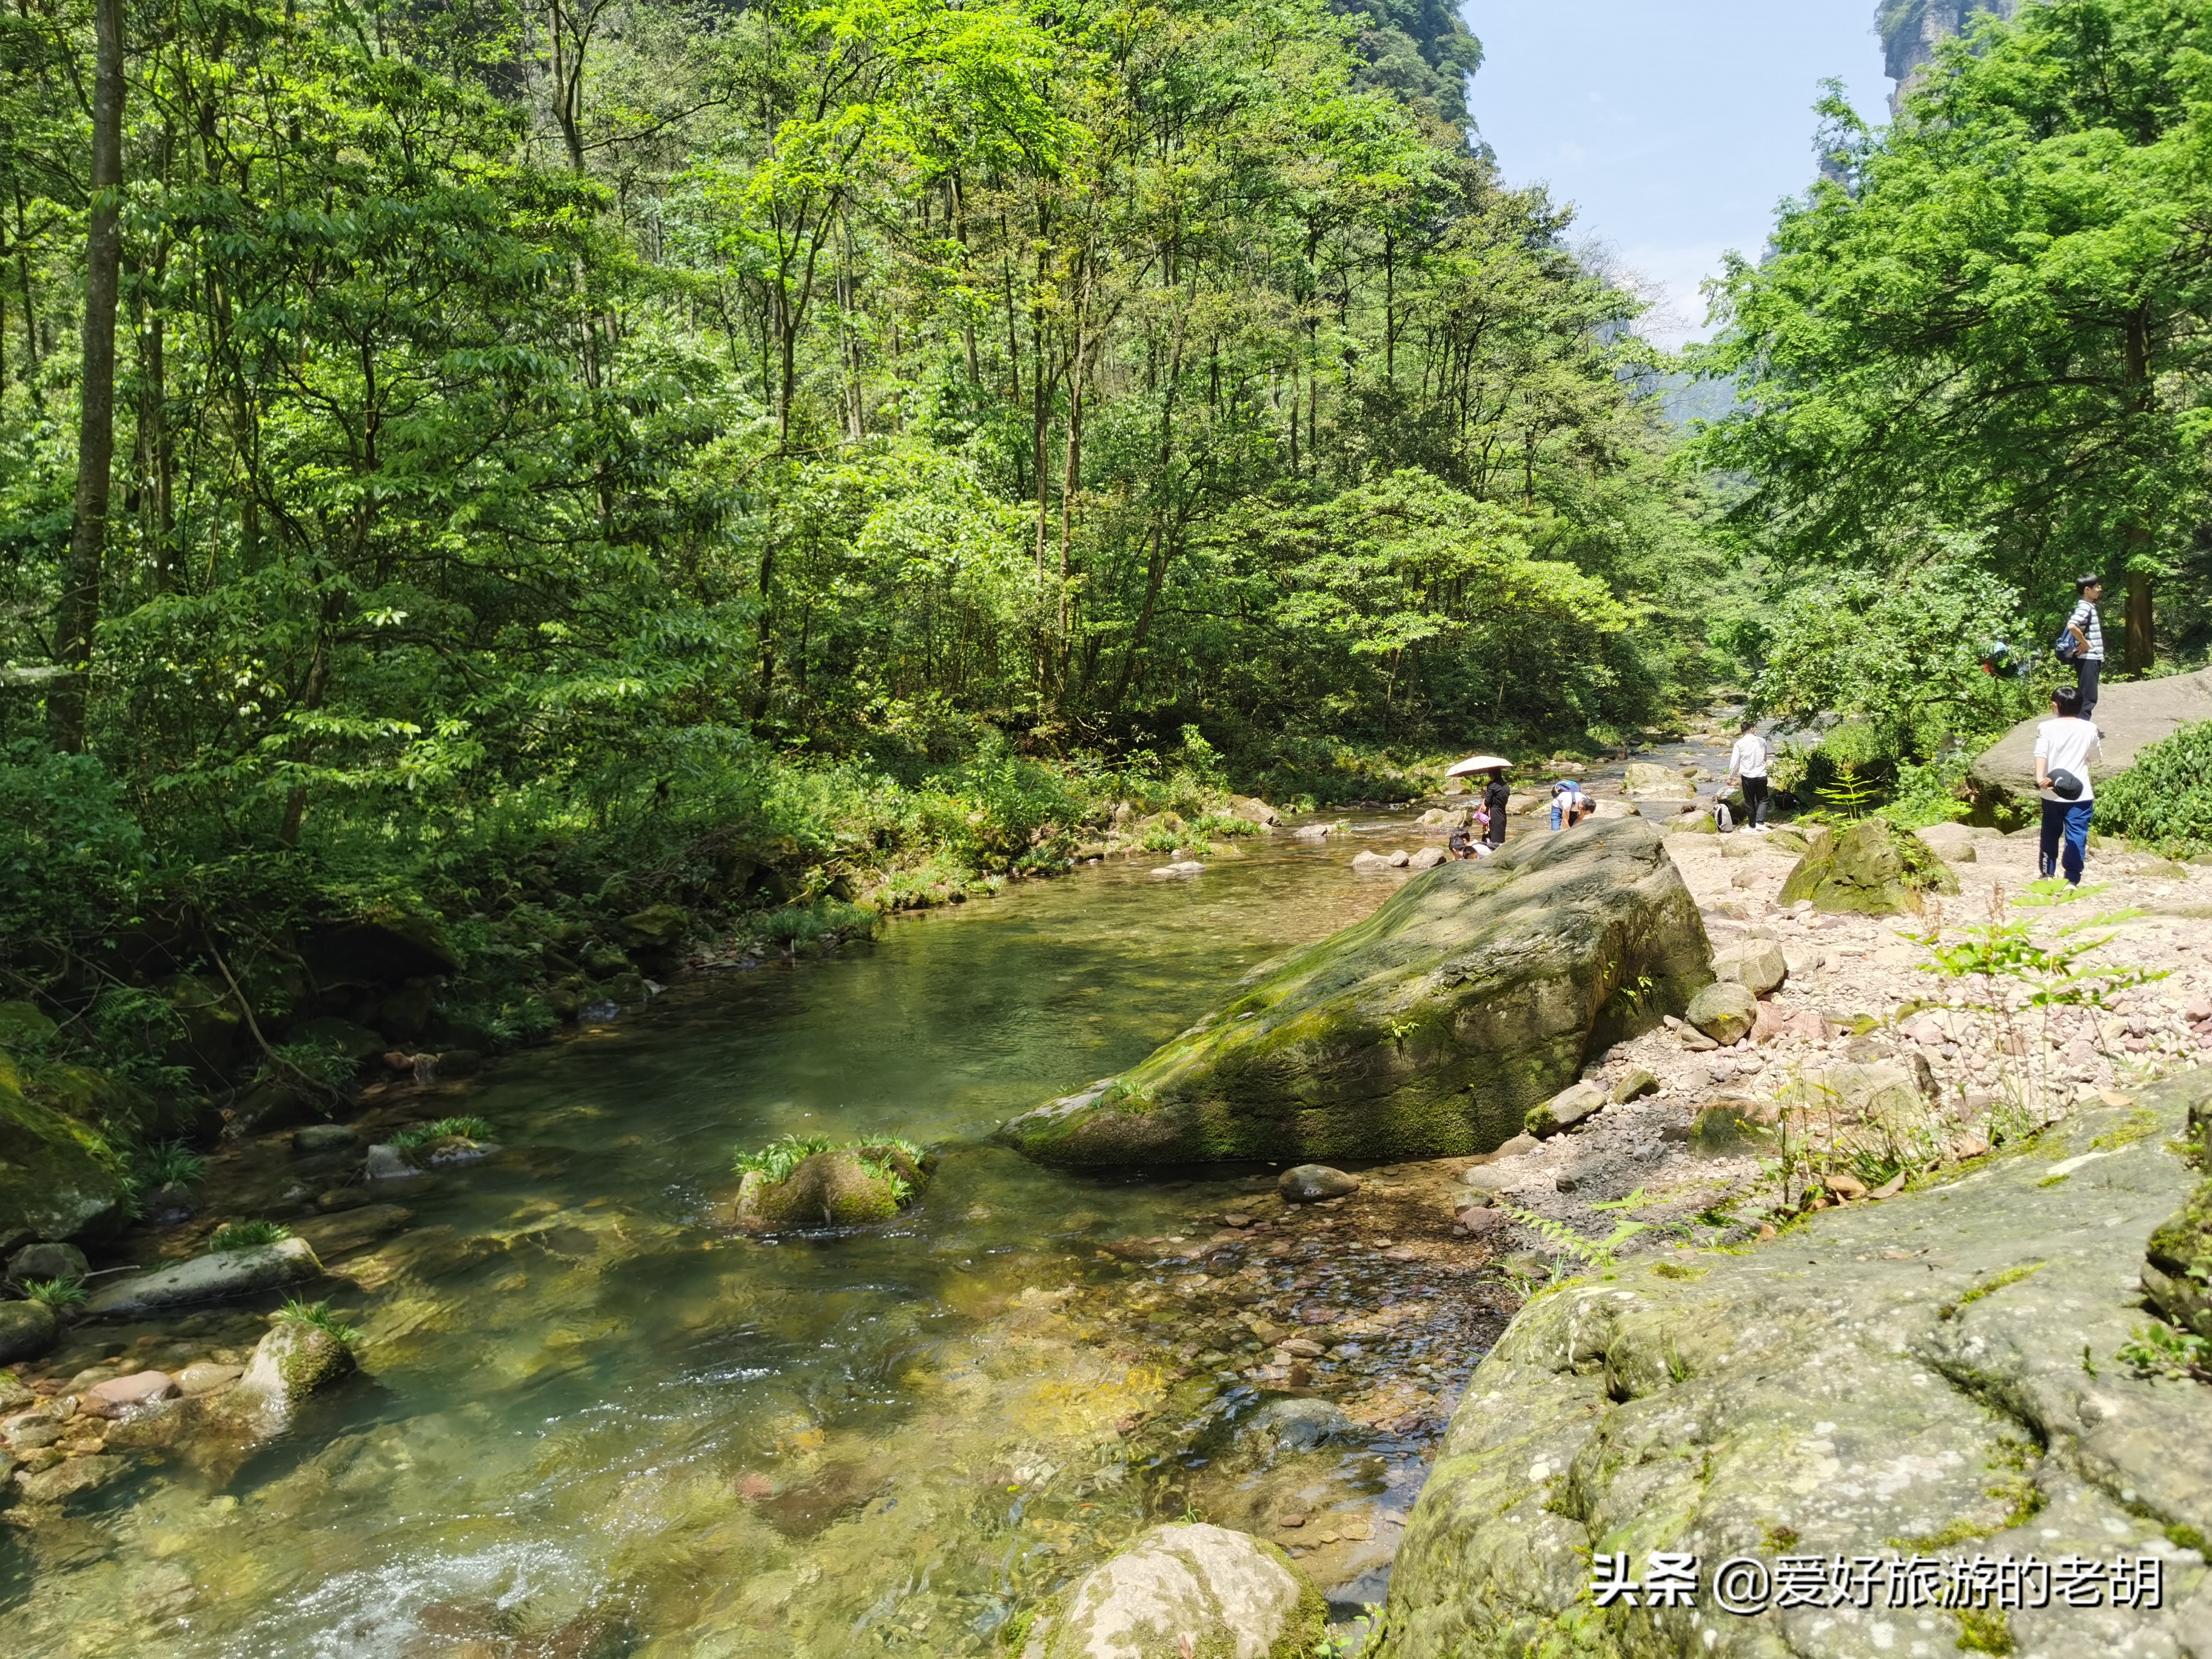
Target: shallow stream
<point>596,1420</point>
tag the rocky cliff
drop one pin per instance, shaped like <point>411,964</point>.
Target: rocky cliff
<point>1911,31</point>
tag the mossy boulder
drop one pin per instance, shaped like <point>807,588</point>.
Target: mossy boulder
<point>837,1186</point>
<point>1187,1591</point>
<point>207,1023</point>
<point>57,1176</point>
<point>1870,868</point>
<point>1724,1010</point>
<point>1475,992</point>
<point>292,1361</point>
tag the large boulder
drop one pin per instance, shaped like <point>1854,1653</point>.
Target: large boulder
<point>57,1176</point>
<point>1183,1589</point>
<point>842,1187</point>
<point>218,1276</point>
<point>1642,780</point>
<point>2177,1269</point>
<point>1474,992</point>
<point>2132,715</point>
<point>1871,868</point>
<point>1946,1381</point>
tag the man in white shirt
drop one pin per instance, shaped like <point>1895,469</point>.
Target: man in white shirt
<point>2065,746</point>
<point>1748,761</point>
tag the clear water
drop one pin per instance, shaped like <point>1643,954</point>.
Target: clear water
<point>595,1420</point>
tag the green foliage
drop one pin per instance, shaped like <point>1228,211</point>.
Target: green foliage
<point>296,1311</point>
<point>847,443</point>
<point>169,1164</point>
<point>775,1161</point>
<point>322,1066</point>
<point>2164,800</point>
<point>2159,1350</point>
<point>444,1128</point>
<point>248,1235</point>
<point>1590,1254</point>
<point>56,1293</point>
<point>1992,313</point>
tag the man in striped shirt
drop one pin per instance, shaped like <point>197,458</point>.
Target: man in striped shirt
<point>2088,640</point>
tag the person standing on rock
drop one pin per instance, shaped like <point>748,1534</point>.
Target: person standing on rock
<point>1495,796</point>
<point>1747,763</point>
<point>2087,637</point>
<point>2064,745</point>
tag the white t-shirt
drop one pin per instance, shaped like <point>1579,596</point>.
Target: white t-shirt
<point>2066,746</point>
<point>1748,758</point>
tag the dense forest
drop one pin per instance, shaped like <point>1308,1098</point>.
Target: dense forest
<point>437,436</point>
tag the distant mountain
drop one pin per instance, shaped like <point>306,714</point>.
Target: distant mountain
<point>1911,31</point>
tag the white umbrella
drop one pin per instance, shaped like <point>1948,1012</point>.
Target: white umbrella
<point>1477,763</point>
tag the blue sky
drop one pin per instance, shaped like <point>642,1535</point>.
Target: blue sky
<point>1674,125</point>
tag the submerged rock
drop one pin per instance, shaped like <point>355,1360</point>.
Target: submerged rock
<point>1945,1382</point>
<point>844,1187</point>
<point>221,1275</point>
<point>1185,1589</point>
<point>1474,993</point>
<point>1872,868</point>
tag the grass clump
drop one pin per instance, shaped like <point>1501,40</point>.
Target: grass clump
<point>444,1128</point>
<point>248,1235</point>
<point>55,1293</point>
<point>319,1314</point>
<point>775,1162</point>
<point>171,1164</point>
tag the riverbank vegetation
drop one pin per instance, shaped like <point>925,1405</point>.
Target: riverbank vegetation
<point>520,467</point>
<point>1971,368</point>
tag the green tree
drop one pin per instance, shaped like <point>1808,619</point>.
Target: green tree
<point>1994,316</point>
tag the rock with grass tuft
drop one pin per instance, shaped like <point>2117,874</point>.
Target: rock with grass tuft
<point>299,1354</point>
<point>795,1184</point>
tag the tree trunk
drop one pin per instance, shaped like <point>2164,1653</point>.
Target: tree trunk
<point>2141,641</point>
<point>78,613</point>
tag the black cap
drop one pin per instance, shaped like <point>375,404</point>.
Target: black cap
<point>2080,582</point>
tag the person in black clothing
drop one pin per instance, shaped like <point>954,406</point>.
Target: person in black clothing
<point>1494,799</point>
<point>1459,844</point>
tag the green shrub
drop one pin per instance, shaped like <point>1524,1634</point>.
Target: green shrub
<point>2164,801</point>
<point>56,1293</point>
<point>248,1235</point>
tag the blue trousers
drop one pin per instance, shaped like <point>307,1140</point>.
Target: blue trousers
<point>2067,820</point>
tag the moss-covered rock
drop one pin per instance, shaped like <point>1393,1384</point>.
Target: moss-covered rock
<point>1870,868</point>
<point>1186,1591</point>
<point>296,1358</point>
<point>1935,1375</point>
<point>2177,1269</point>
<point>1474,993</point>
<point>1724,1010</point>
<point>24,1028</point>
<point>837,1187</point>
<point>57,1176</point>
